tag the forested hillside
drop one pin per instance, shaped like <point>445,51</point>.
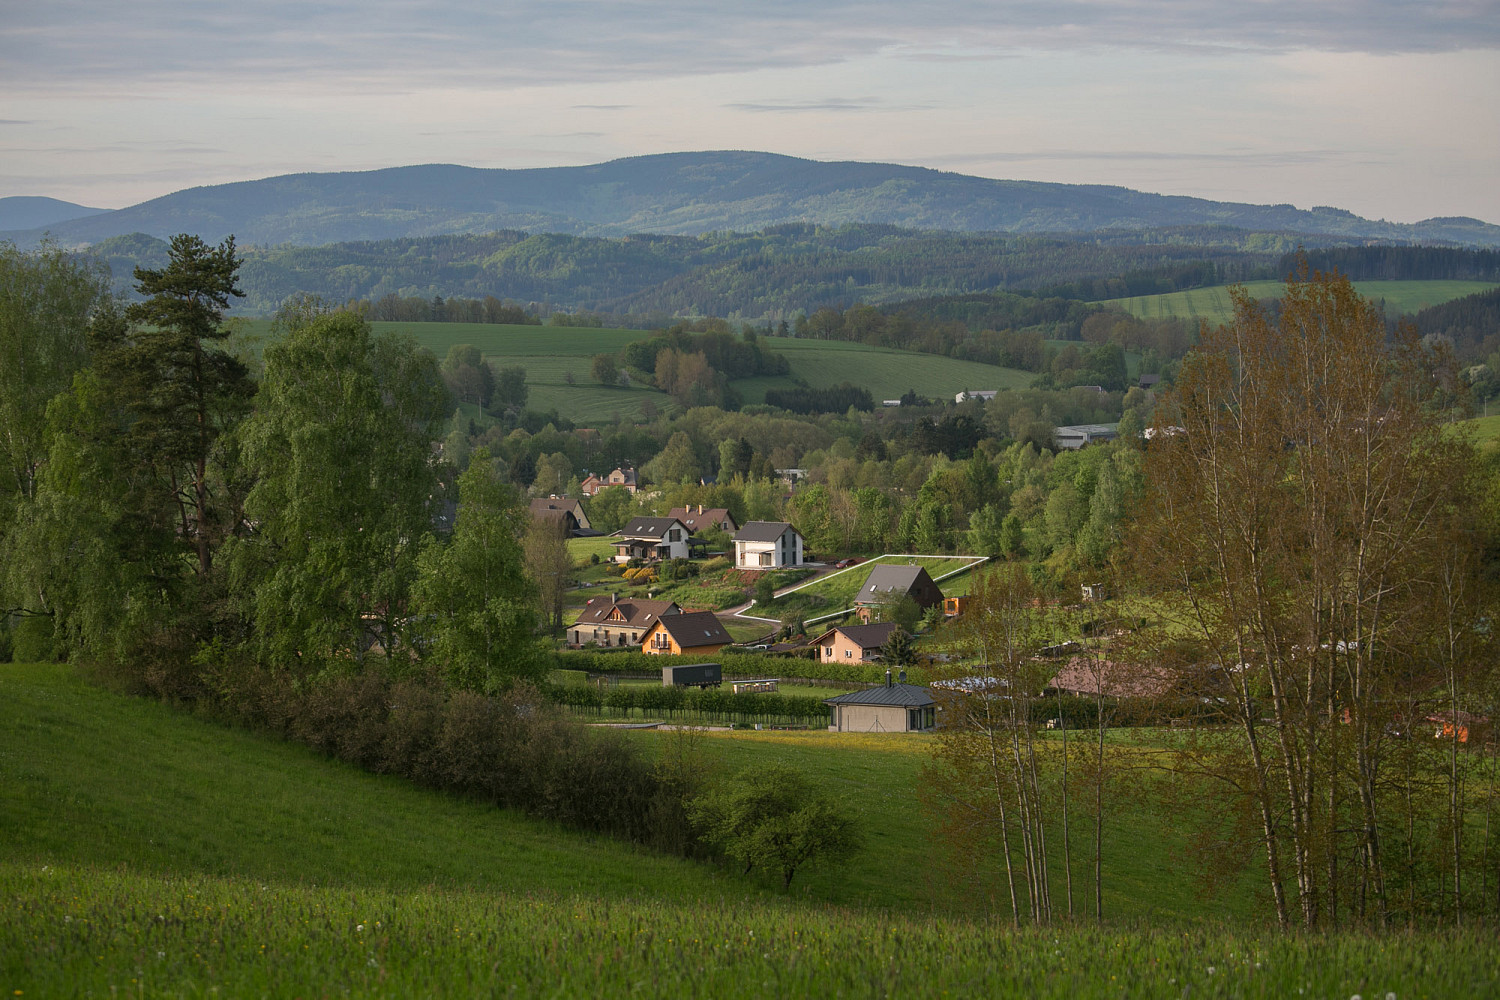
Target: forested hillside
<point>770,274</point>
<point>694,193</point>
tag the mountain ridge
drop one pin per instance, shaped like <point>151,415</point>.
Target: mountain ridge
<point>692,194</point>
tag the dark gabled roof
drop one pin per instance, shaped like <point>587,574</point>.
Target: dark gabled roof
<point>871,636</point>
<point>762,531</point>
<point>696,628</point>
<point>885,581</point>
<point>697,520</point>
<point>899,695</point>
<point>648,527</point>
<point>639,613</point>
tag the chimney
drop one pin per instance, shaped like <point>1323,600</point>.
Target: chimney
<point>887,678</point>
<point>901,676</point>
<point>614,597</point>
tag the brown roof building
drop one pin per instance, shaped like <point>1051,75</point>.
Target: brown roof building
<point>1085,675</point>
<point>614,622</point>
<point>693,633</point>
<point>567,510</point>
<point>697,517</point>
<point>853,643</point>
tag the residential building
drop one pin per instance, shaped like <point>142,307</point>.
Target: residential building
<point>984,394</point>
<point>767,545</point>
<point>620,477</point>
<point>887,584</point>
<point>569,511</point>
<point>697,517</point>
<point>651,539</point>
<point>853,643</point>
<point>615,622</point>
<point>692,633</point>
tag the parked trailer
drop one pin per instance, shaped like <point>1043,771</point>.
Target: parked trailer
<point>700,675</point>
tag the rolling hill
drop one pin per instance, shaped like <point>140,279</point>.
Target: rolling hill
<point>692,193</point>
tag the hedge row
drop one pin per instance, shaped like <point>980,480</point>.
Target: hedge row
<point>631,661</point>
<point>707,704</point>
<point>516,751</point>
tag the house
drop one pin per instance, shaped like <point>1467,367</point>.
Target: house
<point>568,511</point>
<point>767,545</point>
<point>888,584</point>
<point>652,538</point>
<point>696,517</point>
<point>984,394</point>
<point>613,622</point>
<point>692,633</point>
<point>1077,436</point>
<point>890,402</point>
<point>853,643</point>
<point>1087,676</point>
<point>895,707</point>
<point>1149,381</point>
<point>620,477</point>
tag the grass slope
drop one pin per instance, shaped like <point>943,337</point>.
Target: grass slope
<point>147,852</point>
<point>1213,305</point>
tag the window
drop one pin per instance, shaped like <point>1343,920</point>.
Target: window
<point>848,654</point>
<point>675,535</point>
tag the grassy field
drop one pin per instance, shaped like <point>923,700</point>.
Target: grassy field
<point>837,590</point>
<point>1213,305</point>
<point>146,852</point>
<point>1485,431</point>
<point>886,373</point>
<point>550,354</point>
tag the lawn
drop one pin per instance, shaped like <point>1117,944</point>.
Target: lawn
<point>836,591</point>
<point>1213,304</point>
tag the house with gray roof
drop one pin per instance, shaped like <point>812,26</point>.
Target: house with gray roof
<point>767,545</point>
<point>887,584</point>
<point>651,539</point>
<point>894,707</point>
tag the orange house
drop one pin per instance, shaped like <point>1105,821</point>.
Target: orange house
<point>693,633</point>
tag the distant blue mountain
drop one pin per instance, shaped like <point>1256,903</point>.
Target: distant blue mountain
<point>694,193</point>
<point>26,212</point>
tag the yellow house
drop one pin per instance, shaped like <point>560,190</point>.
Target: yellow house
<point>694,633</point>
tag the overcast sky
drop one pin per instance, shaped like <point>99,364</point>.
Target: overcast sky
<point>1390,108</point>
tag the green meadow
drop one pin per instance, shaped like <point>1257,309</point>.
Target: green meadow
<point>550,354</point>
<point>147,852</point>
<point>1213,304</point>
<point>837,590</point>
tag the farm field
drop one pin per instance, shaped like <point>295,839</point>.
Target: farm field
<point>549,354</point>
<point>246,866</point>
<point>1213,305</point>
<point>1485,430</point>
<point>885,372</point>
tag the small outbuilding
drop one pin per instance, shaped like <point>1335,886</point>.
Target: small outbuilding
<point>895,707</point>
<point>700,675</point>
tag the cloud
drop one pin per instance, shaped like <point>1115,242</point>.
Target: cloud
<point>1262,158</point>
<point>383,45</point>
<point>836,105</point>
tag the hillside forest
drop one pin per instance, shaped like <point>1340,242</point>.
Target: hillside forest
<point>328,537</point>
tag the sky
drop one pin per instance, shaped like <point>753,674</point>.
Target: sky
<point>1387,108</point>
